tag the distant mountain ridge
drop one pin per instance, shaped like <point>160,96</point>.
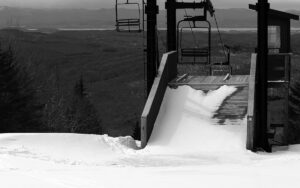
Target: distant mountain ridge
<point>105,18</point>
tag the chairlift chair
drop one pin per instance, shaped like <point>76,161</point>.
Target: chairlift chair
<point>224,67</point>
<point>192,55</point>
<point>129,24</point>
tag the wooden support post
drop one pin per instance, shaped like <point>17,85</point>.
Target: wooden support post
<point>171,25</point>
<point>262,86</point>
<point>151,11</point>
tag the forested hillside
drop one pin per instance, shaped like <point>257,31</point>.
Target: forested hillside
<point>110,65</point>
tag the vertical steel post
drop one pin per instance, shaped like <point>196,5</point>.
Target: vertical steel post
<point>116,10</point>
<point>151,11</point>
<point>143,15</point>
<point>262,89</point>
<point>171,25</point>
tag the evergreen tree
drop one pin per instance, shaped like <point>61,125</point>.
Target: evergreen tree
<point>55,114</point>
<point>19,109</point>
<point>82,116</point>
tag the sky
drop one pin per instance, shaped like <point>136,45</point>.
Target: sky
<point>98,4</point>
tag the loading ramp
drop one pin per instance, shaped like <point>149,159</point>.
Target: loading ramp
<point>233,108</point>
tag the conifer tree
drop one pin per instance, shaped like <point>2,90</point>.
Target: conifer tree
<point>19,109</point>
<point>82,116</point>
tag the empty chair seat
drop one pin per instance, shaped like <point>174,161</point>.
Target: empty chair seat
<point>222,63</point>
<point>128,22</point>
<point>194,52</point>
<point>134,23</point>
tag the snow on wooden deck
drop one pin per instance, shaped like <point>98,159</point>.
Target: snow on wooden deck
<point>234,107</point>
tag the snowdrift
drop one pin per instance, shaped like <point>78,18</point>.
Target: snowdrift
<point>184,126</point>
<point>67,149</point>
<point>184,123</point>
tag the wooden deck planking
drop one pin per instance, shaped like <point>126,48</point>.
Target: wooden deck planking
<point>234,107</point>
<point>211,82</point>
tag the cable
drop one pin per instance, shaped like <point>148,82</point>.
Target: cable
<point>223,46</point>
<point>194,37</point>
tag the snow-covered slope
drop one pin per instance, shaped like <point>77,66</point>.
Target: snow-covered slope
<point>69,149</point>
<point>185,150</point>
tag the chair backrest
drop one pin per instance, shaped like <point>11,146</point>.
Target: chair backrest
<point>193,54</point>
<point>128,24</point>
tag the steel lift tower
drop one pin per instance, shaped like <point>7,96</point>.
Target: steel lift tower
<point>151,11</point>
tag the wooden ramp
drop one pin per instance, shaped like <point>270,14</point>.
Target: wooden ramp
<point>234,108</point>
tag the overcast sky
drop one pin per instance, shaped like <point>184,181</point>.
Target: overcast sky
<point>97,4</point>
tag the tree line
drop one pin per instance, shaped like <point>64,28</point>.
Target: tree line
<point>21,110</point>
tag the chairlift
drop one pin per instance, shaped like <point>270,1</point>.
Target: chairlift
<point>195,54</point>
<point>130,24</point>
<point>222,67</point>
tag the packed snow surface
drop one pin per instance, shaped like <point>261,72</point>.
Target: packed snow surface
<point>187,149</point>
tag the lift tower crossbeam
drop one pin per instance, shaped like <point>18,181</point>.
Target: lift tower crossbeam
<point>187,5</point>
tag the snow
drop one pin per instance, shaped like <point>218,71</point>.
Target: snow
<point>187,149</point>
<point>184,124</point>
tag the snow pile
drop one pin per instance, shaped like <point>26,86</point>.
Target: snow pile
<point>184,130</point>
<point>185,125</point>
<point>187,149</point>
<point>69,149</point>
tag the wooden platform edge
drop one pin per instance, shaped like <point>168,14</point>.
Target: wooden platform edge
<point>251,104</point>
<point>167,71</point>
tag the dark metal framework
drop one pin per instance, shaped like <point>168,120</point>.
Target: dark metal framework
<point>265,18</point>
<point>152,55</point>
<point>261,110</point>
<point>172,6</point>
<point>130,24</point>
<point>195,52</point>
<point>151,9</point>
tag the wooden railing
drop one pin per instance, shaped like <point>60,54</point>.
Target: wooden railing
<point>167,71</point>
<point>251,105</point>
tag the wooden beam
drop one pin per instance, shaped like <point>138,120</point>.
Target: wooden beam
<point>184,5</point>
<point>251,118</point>
<point>278,13</point>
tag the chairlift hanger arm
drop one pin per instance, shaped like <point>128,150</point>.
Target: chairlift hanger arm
<point>210,8</point>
